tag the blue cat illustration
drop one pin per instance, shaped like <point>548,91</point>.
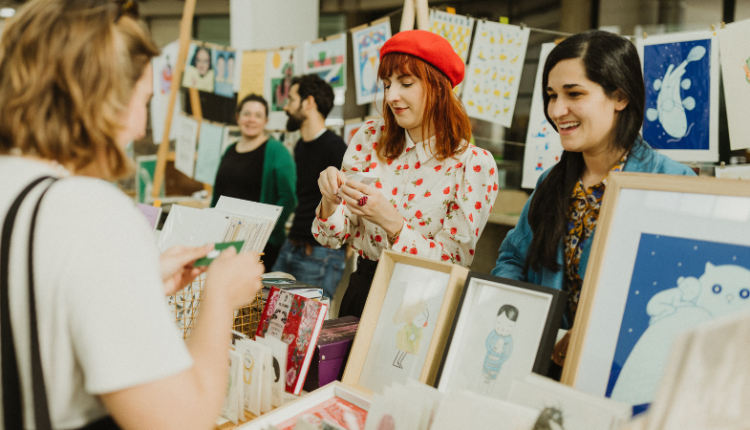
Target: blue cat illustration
<point>720,291</point>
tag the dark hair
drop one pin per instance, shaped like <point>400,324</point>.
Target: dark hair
<point>252,98</point>
<point>195,57</point>
<point>314,85</point>
<point>510,311</point>
<point>612,62</point>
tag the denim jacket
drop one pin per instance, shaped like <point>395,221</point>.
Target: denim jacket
<point>514,248</point>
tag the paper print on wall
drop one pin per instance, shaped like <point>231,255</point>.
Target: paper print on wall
<point>494,71</point>
<point>405,326</point>
<point>253,72</point>
<point>456,29</point>
<point>199,71</point>
<point>187,139</point>
<point>543,147</point>
<point>163,68</point>
<point>327,59</point>
<point>224,62</point>
<point>734,42</point>
<point>145,168</point>
<point>677,284</point>
<point>209,152</point>
<point>280,69</point>
<point>681,77</point>
<point>366,44</point>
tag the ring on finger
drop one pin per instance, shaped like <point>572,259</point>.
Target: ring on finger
<point>363,200</point>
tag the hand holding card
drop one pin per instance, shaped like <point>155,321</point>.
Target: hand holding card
<point>205,261</point>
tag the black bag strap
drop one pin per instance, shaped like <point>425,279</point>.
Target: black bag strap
<point>12,397</point>
<point>12,394</point>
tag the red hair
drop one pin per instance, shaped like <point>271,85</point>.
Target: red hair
<point>442,109</point>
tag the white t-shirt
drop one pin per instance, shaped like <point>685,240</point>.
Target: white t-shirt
<point>102,317</point>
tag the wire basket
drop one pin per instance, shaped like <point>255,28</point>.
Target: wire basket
<point>186,303</point>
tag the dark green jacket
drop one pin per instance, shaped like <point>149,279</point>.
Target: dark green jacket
<point>279,185</point>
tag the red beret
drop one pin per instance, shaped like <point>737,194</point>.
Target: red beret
<point>430,47</point>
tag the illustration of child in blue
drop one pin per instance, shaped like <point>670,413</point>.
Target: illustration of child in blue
<point>499,344</point>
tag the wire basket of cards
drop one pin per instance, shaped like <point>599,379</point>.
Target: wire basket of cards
<point>243,224</point>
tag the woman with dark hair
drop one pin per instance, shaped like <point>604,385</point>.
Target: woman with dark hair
<point>594,96</point>
<point>258,168</point>
<point>432,191</point>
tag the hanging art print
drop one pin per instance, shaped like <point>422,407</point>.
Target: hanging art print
<point>543,147</point>
<point>224,62</point>
<point>327,59</point>
<point>280,69</point>
<point>366,44</point>
<point>681,73</point>
<point>494,71</point>
<point>199,71</point>
<point>456,29</point>
<point>734,43</point>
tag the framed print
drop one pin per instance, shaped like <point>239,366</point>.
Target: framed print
<point>673,252</point>
<point>503,330</point>
<point>335,403</point>
<point>708,382</point>
<point>734,44</point>
<point>681,73</point>
<point>405,323</point>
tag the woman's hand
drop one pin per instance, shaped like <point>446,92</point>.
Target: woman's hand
<point>235,276</point>
<point>376,209</point>
<point>561,348</point>
<point>329,182</point>
<point>177,269</point>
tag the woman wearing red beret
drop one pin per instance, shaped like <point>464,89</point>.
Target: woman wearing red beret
<point>432,191</point>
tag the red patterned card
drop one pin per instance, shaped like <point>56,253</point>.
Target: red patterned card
<point>297,321</point>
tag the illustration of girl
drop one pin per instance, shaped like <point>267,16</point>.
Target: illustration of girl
<point>499,344</point>
<point>414,319</point>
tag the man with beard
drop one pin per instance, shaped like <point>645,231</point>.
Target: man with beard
<point>310,100</point>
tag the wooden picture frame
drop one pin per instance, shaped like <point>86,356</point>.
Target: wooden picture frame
<point>656,223</point>
<point>367,343</point>
<point>478,306</point>
<point>334,390</point>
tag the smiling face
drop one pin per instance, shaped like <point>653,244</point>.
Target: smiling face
<point>405,95</point>
<point>585,116</point>
<point>252,119</point>
<point>134,117</point>
<point>504,325</point>
<point>202,61</point>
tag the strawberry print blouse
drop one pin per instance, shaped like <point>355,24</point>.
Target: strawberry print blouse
<point>583,213</point>
<point>445,204</point>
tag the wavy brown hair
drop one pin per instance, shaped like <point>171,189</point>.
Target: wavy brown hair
<point>67,72</point>
<point>442,109</point>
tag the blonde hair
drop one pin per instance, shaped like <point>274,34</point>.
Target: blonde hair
<point>67,72</point>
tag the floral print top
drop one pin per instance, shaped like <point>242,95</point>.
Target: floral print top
<point>583,213</point>
<point>445,204</point>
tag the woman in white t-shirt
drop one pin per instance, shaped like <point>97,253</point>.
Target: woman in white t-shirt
<point>75,80</point>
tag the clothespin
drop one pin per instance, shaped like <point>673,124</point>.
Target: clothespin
<point>645,35</point>
<point>713,27</point>
<point>522,25</point>
<point>157,202</point>
<point>723,165</point>
<point>451,10</point>
<point>504,20</point>
<point>723,24</point>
